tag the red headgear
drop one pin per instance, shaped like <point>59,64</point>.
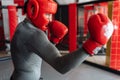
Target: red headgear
<point>36,10</point>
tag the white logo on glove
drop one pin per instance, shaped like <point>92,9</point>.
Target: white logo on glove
<point>108,29</point>
<point>95,51</point>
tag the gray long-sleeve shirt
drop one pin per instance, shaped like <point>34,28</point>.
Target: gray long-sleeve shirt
<point>30,44</point>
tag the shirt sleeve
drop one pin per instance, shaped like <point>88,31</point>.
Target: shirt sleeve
<point>40,44</point>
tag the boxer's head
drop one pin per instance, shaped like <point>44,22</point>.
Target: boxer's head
<point>38,10</point>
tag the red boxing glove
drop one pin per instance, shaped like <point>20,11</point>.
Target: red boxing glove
<point>57,30</point>
<point>100,28</point>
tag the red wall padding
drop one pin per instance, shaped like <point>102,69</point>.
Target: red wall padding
<point>13,20</point>
<point>72,27</point>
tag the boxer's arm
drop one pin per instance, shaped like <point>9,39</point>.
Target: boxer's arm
<point>40,44</point>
